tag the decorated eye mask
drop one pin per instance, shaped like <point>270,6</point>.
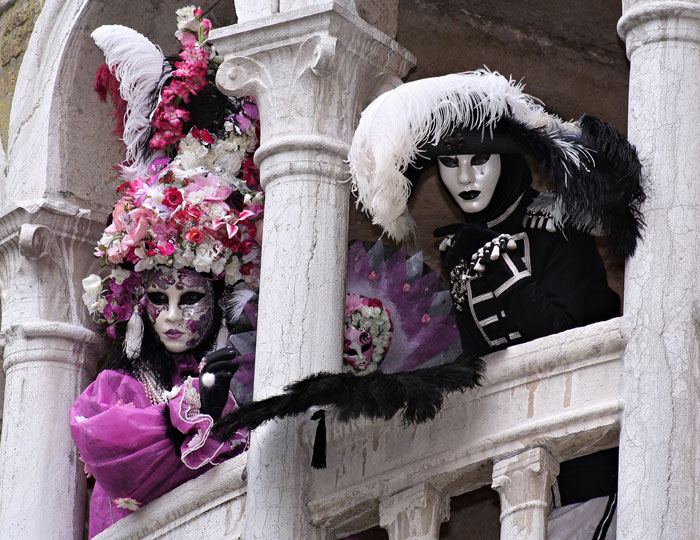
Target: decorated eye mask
<point>368,330</point>
<point>357,348</point>
<point>180,306</point>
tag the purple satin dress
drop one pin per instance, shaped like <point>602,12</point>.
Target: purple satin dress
<point>121,438</point>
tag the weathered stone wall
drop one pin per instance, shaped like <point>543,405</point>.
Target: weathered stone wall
<point>17,18</point>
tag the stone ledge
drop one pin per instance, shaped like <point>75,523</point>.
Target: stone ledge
<point>560,392</point>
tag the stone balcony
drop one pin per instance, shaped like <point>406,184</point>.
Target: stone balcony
<point>560,393</point>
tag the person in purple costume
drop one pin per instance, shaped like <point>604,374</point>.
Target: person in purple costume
<point>144,425</point>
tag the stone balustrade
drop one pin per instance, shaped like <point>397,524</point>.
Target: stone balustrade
<point>555,398</point>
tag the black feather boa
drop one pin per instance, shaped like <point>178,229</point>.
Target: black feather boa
<point>419,394</point>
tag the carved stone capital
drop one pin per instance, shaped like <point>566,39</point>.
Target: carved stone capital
<point>523,482</point>
<point>35,241</point>
<point>415,513</point>
<point>652,22</point>
<point>312,70</point>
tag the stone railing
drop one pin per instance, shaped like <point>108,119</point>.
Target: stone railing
<point>542,402</point>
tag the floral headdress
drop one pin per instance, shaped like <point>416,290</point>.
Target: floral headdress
<point>192,195</point>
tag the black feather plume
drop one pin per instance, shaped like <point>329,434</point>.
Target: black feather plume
<point>418,394</point>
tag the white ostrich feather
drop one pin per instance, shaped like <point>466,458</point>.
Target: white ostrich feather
<point>393,126</point>
<point>235,304</point>
<point>138,65</point>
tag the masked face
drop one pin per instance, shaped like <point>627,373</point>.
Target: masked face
<point>358,348</point>
<point>470,178</point>
<point>180,306</point>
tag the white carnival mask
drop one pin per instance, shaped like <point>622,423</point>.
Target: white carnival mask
<point>470,178</point>
<point>180,306</point>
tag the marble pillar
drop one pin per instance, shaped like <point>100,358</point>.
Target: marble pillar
<point>660,438</point>
<point>415,513</point>
<point>49,357</point>
<point>524,482</point>
<point>312,70</point>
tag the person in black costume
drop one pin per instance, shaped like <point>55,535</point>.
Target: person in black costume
<point>513,279</point>
<point>523,264</point>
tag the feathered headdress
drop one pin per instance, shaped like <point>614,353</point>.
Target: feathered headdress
<point>138,66</point>
<point>192,196</point>
<point>593,170</point>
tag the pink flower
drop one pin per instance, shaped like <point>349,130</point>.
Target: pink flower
<point>372,275</point>
<point>425,319</point>
<point>194,235</point>
<point>406,287</point>
<point>188,40</point>
<point>198,13</point>
<point>206,26</point>
<point>243,122</point>
<point>250,109</point>
<point>172,197</point>
<point>114,255</point>
<point>166,249</point>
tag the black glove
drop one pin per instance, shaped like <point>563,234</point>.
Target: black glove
<point>467,239</point>
<point>215,380</point>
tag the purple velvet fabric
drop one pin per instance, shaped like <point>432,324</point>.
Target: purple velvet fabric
<point>121,438</point>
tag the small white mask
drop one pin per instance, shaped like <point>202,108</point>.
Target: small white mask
<point>180,307</point>
<point>470,178</point>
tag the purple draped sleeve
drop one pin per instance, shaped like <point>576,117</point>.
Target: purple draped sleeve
<point>121,438</point>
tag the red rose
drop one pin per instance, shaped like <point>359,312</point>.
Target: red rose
<point>194,235</point>
<point>181,216</point>
<point>375,302</point>
<point>194,212</point>
<point>172,197</point>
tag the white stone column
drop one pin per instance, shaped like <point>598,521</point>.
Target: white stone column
<point>660,438</point>
<point>311,71</point>
<point>415,513</point>
<point>49,357</point>
<point>524,482</point>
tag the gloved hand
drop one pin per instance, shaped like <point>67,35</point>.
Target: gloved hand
<point>490,252</point>
<point>489,262</point>
<point>466,239</point>
<point>215,376</point>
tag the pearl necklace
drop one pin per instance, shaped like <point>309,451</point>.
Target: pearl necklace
<point>154,390</point>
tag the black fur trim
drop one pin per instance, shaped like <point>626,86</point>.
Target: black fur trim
<point>175,436</point>
<point>603,190</point>
<point>418,394</point>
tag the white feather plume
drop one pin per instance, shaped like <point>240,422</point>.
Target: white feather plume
<point>138,65</point>
<point>393,126</point>
<point>234,304</point>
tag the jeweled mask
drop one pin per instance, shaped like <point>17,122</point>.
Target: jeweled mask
<point>180,306</point>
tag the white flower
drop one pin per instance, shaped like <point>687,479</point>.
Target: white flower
<point>119,275</point>
<point>185,20</point>
<point>195,197</point>
<point>98,306</point>
<point>127,503</point>
<point>92,285</point>
<point>217,267</point>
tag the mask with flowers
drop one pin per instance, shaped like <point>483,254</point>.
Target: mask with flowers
<point>368,330</point>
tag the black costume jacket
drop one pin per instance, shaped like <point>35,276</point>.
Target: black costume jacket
<point>551,282</point>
